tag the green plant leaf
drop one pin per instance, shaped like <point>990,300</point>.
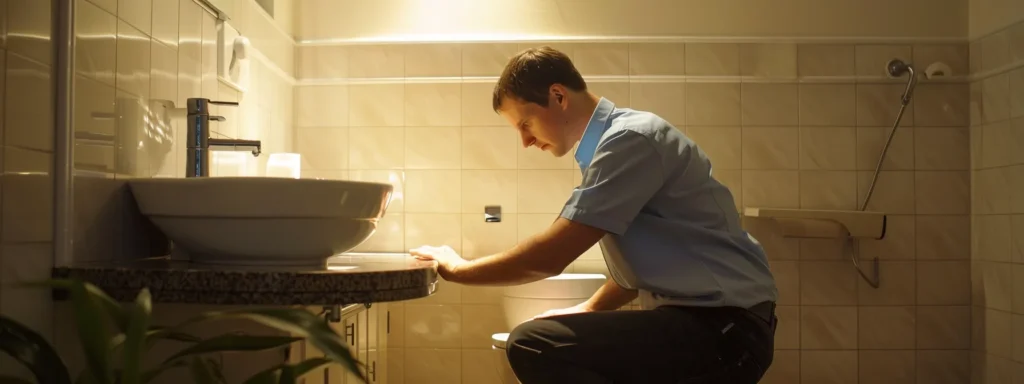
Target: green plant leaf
<point>13,380</point>
<point>154,334</point>
<point>270,376</point>
<point>135,339</point>
<point>234,343</point>
<point>92,332</point>
<point>112,307</point>
<point>33,351</point>
<point>302,323</point>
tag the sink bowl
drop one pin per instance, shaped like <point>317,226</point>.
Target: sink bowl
<point>262,221</point>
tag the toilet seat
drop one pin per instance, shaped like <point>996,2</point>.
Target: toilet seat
<point>498,340</point>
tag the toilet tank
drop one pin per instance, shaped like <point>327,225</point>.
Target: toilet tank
<point>522,302</point>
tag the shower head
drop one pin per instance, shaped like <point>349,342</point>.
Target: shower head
<point>896,68</point>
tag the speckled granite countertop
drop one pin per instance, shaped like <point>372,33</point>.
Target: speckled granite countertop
<point>354,279</point>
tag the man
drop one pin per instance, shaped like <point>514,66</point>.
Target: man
<point>670,234</point>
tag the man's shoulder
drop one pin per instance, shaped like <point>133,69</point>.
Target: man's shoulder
<point>646,124</point>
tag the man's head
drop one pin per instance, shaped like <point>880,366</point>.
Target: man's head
<point>543,96</point>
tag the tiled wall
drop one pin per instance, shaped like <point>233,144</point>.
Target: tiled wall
<point>133,59</point>
<point>785,125</point>
<point>997,158</point>
<point>405,20</point>
<point>27,124</point>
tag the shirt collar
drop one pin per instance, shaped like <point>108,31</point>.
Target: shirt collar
<point>592,135</point>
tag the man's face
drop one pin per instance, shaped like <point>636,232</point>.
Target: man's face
<point>541,127</point>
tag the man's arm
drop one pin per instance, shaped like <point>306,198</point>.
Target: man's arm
<point>539,257</point>
<point>610,297</point>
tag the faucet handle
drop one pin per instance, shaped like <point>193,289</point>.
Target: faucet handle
<point>228,103</point>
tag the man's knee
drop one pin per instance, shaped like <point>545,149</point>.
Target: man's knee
<point>528,335</point>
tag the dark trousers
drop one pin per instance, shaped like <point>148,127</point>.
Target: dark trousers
<point>669,344</point>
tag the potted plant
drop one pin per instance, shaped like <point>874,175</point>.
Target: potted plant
<point>115,337</point>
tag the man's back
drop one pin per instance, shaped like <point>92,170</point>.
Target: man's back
<point>685,245</point>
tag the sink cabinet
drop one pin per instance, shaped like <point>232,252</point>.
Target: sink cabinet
<point>365,331</point>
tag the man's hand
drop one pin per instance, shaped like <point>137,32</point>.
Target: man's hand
<point>579,308</point>
<point>446,257</point>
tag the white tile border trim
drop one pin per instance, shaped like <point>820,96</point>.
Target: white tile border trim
<point>483,38</point>
<point>636,79</point>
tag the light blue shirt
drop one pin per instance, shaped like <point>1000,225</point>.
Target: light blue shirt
<point>673,230</point>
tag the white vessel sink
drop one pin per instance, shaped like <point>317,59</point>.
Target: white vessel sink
<point>262,221</point>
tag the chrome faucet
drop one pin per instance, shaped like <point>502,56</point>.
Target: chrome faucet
<point>199,141</point>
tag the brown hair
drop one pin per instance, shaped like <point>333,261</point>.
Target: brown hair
<point>530,74</point>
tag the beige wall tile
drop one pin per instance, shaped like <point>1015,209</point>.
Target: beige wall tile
<point>657,59</point>
<point>663,99</point>
<point>995,98</point>
<point>826,60</point>
<point>771,148</point>
<point>433,147</point>
<point>828,148</point>
<point>897,283</point>
<point>887,367</point>
<point>893,193</point>
<point>942,192</point>
<point>722,145</point>
<point>432,104</point>
<point>428,366</point>
<point>768,60</point>
<point>769,104</point>
<point>376,105</point>
<point>543,191</point>
<point>828,104</point>
<point>430,60</point>
<point>27,210</point>
<point>616,92</point>
<point>489,187</point>
<point>886,328</point>
<point>323,148</point>
<point>992,234</point>
<point>712,104</point>
<point>941,105</point>
<point>322,106</point>
<point>321,62</point>
<point>95,42</point>
<point>828,189</point>
<point>945,149</point>
<point>1017,93</point>
<point>787,335</point>
<point>828,328</point>
<point>376,61</point>
<point>433,191</point>
<point>838,367</point>
<point>943,283</point>
<point>943,237</point>
<point>389,237</point>
<point>133,60</point>
<point>486,59</point>
<point>828,283</point>
<point>601,59</point>
<point>479,323</point>
<point>137,13</point>
<point>943,367</point>
<point>995,50</point>
<point>712,59</point>
<point>29,30</point>
<point>433,229</point>
<point>481,238</point>
<point>787,280</point>
<point>376,147</point>
<point>476,106</point>
<point>165,21</point>
<point>879,104</point>
<point>943,327</point>
<point>483,366</point>
<point>492,148</point>
<point>777,189</point>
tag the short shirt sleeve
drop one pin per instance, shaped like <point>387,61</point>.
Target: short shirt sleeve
<point>626,171</point>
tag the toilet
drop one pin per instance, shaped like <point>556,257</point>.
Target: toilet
<point>523,302</point>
